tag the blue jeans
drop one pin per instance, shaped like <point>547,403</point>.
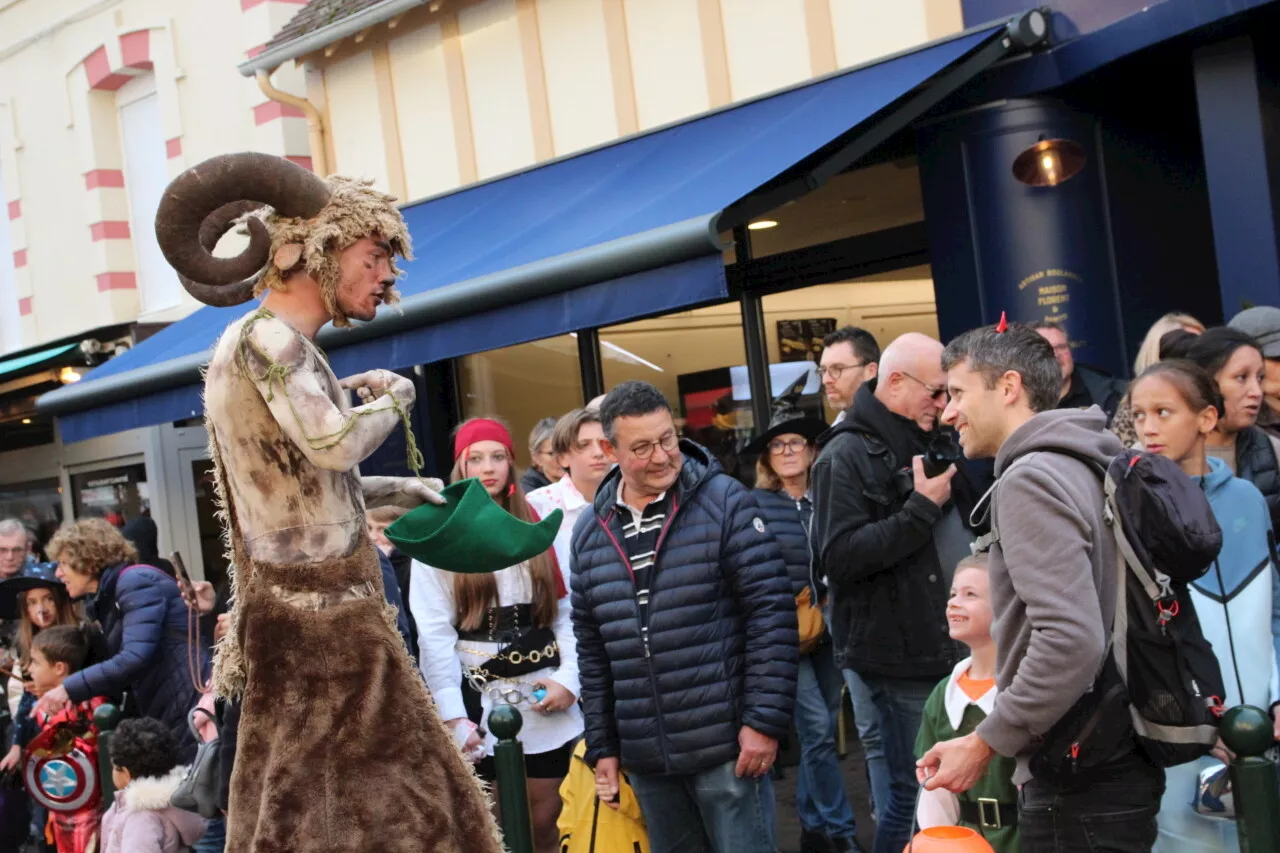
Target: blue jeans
<point>708,812</point>
<point>901,705</point>
<point>867,718</point>
<point>821,802</point>
<point>214,839</point>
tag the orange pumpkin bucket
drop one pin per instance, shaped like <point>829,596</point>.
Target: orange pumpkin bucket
<point>948,839</point>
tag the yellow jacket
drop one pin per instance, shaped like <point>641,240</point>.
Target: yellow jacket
<point>615,831</point>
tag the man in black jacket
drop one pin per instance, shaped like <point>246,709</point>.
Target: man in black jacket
<point>888,538</point>
<point>1082,386</point>
<point>687,638</point>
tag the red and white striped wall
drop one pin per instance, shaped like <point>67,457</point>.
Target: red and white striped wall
<point>278,128</point>
<point>11,209</point>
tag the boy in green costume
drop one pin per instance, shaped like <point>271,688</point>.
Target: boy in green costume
<point>956,707</point>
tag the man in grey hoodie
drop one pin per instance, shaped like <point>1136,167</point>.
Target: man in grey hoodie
<point>1053,592</point>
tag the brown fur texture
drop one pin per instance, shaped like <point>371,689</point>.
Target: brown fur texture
<point>355,210</point>
<point>341,748</point>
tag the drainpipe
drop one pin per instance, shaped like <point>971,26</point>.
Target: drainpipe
<point>315,123</point>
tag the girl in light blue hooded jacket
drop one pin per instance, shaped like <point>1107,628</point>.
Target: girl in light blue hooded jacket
<point>1176,406</point>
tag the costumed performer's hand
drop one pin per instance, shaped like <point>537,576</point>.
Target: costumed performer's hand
<point>11,759</point>
<point>558,697</point>
<point>221,627</point>
<point>372,384</point>
<point>54,701</point>
<point>955,764</point>
<point>468,738</point>
<point>756,753</point>
<point>420,490</point>
<point>607,782</point>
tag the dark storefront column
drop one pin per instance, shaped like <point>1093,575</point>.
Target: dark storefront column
<point>998,245</point>
<point>753,335</point>
<point>1239,102</point>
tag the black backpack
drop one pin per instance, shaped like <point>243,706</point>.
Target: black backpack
<point>1159,664</point>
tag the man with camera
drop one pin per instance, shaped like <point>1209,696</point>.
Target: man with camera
<point>887,535</point>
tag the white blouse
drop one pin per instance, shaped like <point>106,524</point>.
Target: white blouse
<point>442,655</point>
<point>562,495</point>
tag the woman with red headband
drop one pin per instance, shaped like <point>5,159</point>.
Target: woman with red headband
<point>502,638</point>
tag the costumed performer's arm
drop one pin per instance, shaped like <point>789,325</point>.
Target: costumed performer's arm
<point>336,439</point>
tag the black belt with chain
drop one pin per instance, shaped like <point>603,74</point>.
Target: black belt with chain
<point>501,625</point>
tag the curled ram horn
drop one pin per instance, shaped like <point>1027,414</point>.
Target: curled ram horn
<point>200,205</point>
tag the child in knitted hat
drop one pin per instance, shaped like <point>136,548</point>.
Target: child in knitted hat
<point>144,767</point>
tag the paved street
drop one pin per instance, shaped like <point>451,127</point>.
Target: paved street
<point>855,780</point>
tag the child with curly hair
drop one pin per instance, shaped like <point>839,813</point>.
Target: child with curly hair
<point>145,769</point>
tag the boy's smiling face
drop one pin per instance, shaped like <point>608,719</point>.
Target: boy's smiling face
<point>969,610</point>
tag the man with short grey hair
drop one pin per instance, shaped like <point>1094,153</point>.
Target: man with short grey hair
<point>14,547</point>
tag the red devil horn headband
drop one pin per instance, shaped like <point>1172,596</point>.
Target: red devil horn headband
<point>1003,325</point>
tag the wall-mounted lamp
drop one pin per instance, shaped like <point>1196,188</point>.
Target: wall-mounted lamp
<point>69,375</point>
<point>761,224</point>
<point>1049,162</point>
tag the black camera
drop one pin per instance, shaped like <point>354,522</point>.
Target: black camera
<point>943,452</point>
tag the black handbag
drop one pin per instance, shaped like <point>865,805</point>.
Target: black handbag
<point>198,791</point>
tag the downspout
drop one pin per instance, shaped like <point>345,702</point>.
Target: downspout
<point>315,122</point>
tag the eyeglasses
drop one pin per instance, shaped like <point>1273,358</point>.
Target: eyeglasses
<point>645,449</point>
<point>789,447</point>
<point>934,393</point>
<point>836,369</point>
<point>21,549</point>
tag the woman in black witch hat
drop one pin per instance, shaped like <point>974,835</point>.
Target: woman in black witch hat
<point>786,453</point>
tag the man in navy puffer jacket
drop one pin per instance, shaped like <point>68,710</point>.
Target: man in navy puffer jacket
<point>686,632</point>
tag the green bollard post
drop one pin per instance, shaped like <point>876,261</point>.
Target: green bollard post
<point>1247,731</point>
<point>106,718</point>
<point>513,796</point>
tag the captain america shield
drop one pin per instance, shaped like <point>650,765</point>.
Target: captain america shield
<point>61,783</point>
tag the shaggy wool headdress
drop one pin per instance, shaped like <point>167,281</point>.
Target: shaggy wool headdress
<point>296,221</point>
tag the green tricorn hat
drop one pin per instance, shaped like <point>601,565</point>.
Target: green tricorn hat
<point>470,533</point>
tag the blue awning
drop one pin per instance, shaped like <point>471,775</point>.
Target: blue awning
<point>627,230</point>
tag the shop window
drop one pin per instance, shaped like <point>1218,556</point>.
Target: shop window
<point>36,503</point>
<point>118,494</point>
<point>876,198</point>
<point>212,548</point>
<point>146,175</point>
<point>697,360</point>
<point>886,305</point>
<point>522,385</point>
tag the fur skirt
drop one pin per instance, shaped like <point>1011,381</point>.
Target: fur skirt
<point>341,748</point>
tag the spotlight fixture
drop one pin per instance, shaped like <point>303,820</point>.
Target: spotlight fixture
<point>1049,162</point>
<point>761,224</point>
<point>26,421</point>
<point>68,375</point>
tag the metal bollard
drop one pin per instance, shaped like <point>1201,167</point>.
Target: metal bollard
<point>106,718</point>
<point>513,797</point>
<point>1247,731</point>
